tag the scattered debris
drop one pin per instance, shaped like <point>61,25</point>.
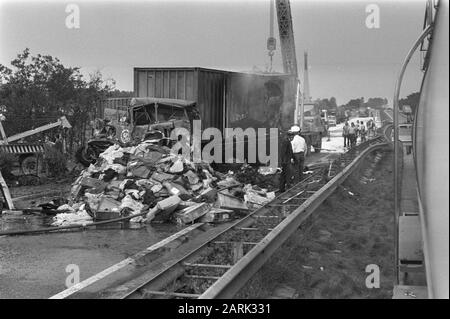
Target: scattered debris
<point>266,170</point>
<point>163,187</point>
<point>189,214</point>
<point>217,215</point>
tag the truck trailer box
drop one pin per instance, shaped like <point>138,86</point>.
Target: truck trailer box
<point>224,98</point>
<point>206,87</point>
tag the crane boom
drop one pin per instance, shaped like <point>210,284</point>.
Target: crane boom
<point>286,37</point>
<point>60,122</point>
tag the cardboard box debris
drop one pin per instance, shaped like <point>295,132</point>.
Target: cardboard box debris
<point>163,209</point>
<point>217,215</point>
<point>161,177</point>
<point>94,183</point>
<point>190,214</point>
<point>129,180</point>
<point>230,202</point>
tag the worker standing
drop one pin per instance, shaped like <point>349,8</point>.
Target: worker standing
<point>363,132</point>
<point>286,156</point>
<point>358,131</point>
<point>299,150</point>
<point>345,134</point>
<point>352,134</point>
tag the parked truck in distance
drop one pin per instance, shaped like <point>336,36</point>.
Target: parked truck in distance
<point>313,128</point>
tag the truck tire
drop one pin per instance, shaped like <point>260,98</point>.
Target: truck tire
<point>30,165</point>
<point>83,157</point>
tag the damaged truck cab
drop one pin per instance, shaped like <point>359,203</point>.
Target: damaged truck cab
<point>154,119</point>
<point>137,120</point>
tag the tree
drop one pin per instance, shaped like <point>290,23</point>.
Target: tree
<point>333,104</point>
<point>327,104</point>
<point>119,93</point>
<point>376,102</point>
<point>39,89</point>
<point>355,103</point>
<point>412,100</point>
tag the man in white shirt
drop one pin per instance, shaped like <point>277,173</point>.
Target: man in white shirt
<point>299,150</point>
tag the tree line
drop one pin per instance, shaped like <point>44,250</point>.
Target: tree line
<point>39,89</point>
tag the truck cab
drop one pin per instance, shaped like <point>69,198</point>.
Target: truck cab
<point>154,118</point>
<point>331,120</point>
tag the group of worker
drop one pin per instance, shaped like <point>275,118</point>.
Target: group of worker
<point>293,151</point>
<point>353,131</point>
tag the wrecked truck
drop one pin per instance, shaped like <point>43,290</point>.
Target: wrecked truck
<point>223,99</point>
<point>142,119</point>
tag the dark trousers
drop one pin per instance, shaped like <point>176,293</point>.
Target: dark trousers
<point>363,138</point>
<point>285,176</point>
<point>299,161</point>
<point>346,141</point>
<point>352,138</point>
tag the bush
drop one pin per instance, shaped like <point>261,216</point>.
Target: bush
<point>55,162</point>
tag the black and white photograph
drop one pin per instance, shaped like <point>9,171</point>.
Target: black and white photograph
<point>241,150</point>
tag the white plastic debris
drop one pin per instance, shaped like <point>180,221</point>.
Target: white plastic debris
<point>134,193</point>
<point>120,169</point>
<point>81,217</point>
<point>156,188</point>
<point>135,206</point>
<point>111,153</point>
<point>65,207</point>
<point>177,167</point>
<point>267,170</point>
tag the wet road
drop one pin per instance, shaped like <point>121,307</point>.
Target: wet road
<point>35,266</point>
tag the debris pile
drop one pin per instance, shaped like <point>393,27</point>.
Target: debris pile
<point>157,186</point>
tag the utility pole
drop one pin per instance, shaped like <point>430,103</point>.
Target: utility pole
<point>306,95</point>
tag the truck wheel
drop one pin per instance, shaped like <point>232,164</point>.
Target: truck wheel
<point>84,156</point>
<point>30,165</point>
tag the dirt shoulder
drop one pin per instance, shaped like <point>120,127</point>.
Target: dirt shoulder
<point>31,196</point>
<point>327,258</point>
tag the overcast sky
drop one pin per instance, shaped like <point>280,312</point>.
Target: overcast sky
<point>347,59</point>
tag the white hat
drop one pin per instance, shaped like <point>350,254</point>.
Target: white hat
<point>294,129</point>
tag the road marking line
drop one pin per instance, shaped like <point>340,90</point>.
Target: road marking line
<point>89,281</point>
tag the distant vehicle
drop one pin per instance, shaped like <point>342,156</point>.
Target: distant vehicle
<point>331,120</point>
<point>408,112</point>
<point>313,128</point>
<point>324,115</point>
